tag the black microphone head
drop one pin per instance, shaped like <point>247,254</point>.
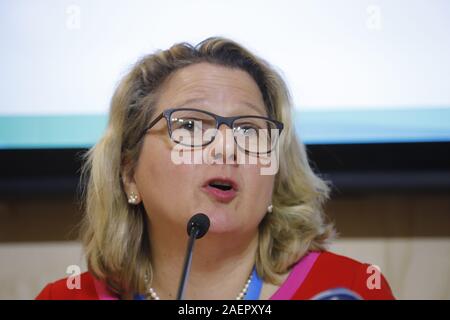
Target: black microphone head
<point>198,223</point>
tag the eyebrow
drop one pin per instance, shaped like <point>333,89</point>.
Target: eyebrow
<point>194,100</point>
<point>254,107</point>
<point>179,105</point>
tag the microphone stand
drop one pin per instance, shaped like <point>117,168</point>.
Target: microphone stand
<point>197,227</point>
<point>187,263</point>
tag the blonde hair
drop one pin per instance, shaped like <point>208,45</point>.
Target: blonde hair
<point>115,234</point>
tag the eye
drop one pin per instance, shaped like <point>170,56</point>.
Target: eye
<point>187,124</point>
<point>247,130</point>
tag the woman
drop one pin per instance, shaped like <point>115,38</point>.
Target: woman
<point>191,130</point>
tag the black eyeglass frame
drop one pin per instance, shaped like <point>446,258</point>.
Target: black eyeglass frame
<point>229,121</point>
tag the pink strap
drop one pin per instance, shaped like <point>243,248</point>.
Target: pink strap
<point>285,292</point>
<point>102,291</point>
<point>296,277</point>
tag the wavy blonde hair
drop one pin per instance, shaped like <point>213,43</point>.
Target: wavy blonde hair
<point>115,234</point>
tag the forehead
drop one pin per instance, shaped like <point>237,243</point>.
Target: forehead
<point>212,84</point>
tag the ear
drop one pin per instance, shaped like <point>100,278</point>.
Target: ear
<point>129,184</point>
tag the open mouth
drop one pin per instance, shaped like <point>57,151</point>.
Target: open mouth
<point>221,185</point>
<point>221,189</point>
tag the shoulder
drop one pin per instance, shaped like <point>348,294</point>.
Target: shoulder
<point>70,289</point>
<point>331,270</point>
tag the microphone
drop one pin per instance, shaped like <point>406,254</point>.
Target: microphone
<point>199,224</point>
<point>197,227</point>
<point>337,294</point>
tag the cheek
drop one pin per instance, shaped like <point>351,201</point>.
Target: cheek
<point>159,179</point>
<point>154,170</point>
<point>258,187</point>
<point>257,196</point>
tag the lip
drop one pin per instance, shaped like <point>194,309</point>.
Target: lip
<point>221,195</point>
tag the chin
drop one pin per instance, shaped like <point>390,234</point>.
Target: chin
<point>223,222</point>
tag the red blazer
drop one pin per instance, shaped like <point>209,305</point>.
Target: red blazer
<point>327,271</point>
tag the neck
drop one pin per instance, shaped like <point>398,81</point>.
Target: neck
<point>221,263</point>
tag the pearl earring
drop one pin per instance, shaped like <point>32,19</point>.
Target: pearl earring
<point>270,209</point>
<point>132,198</point>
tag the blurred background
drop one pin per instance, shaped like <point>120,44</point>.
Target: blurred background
<point>369,80</point>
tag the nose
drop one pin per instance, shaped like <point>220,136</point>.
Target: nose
<point>223,148</point>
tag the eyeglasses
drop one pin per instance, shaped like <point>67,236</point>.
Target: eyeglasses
<point>198,128</point>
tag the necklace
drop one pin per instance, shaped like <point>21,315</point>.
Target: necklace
<point>152,295</point>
